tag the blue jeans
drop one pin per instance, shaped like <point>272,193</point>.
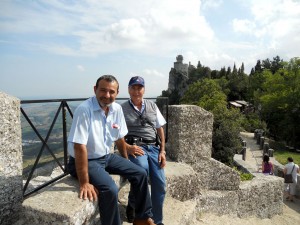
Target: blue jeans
<point>99,170</point>
<point>149,161</point>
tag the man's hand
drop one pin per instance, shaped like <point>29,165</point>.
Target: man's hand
<point>88,191</point>
<point>134,150</point>
<point>162,159</point>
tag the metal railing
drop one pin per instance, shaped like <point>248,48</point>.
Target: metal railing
<point>63,108</point>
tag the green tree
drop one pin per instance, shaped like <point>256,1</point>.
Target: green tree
<point>276,64</point>
<point>280,101</point>
<point>237,84</point>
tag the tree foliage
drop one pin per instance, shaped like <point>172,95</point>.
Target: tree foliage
<point>280,102</point>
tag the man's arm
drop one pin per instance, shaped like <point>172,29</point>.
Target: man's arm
<point>87,190</point>
<point>122,145</point>
<point>162,153</point>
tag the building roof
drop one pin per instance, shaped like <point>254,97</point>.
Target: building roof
<point>241,102</point>
<point>235,104</point>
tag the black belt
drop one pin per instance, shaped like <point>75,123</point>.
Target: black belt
<point>138,140</point>
<point>148,141</point>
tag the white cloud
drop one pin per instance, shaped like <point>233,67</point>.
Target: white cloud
<point>80,68</point>
<point>276,17</point>
<point>153,29</point>
<point>97,27</point>
<point>243,26</point>
<point>153,72</point>
<point>209,4</point>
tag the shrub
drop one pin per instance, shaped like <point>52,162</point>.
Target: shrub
<point>244,176</point>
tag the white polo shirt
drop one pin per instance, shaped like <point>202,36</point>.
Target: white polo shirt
<point>92,128</point>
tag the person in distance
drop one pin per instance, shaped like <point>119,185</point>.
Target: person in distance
<point>290,188</point>
<point>267,166</point>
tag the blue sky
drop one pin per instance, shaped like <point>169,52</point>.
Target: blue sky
<point>58,49</point>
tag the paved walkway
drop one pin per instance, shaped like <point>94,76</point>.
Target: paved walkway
<point>253,153</point>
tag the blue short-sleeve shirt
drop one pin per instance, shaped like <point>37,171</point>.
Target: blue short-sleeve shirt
<point>94,129</point>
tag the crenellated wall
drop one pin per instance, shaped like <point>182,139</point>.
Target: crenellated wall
<point>216,187</point>
<point>190,141</point>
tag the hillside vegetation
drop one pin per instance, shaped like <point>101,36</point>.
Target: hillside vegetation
<point>272,89</point>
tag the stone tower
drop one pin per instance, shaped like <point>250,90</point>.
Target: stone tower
<point>178,76</point>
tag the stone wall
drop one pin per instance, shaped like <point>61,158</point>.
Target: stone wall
<point>216,187</point>
<point>261,197</point>
<point>11,163</point>
<point>190,141</point>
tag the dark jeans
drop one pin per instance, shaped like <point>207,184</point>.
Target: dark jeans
<point>99,170</point>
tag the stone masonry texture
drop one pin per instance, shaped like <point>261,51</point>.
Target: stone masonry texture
<point>190,133</point>
<point>10,158</point>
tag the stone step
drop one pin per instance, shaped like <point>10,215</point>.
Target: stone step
<point>175,212</point>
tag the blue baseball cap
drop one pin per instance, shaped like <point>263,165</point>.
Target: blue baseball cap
<point>136,80</point>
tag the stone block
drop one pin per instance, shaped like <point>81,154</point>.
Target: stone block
<point>11,162</point>
<point>261,197</point>
<point>182,181</point>
<point>189,134</point>
<point>58,204</point>
<point>214,175</point>
<point>218,202</point>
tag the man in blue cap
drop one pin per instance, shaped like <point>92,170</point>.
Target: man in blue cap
<point>146,137</point>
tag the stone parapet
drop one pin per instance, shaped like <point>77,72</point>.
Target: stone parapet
<point>11,163</point>
<point>190,133</point>
<point>260,197</point>
<point>214,175</point>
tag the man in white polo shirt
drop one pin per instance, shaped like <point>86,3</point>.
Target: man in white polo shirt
<point>97,123</point>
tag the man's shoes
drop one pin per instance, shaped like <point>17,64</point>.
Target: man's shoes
<point>160,224</point>
<point>148,221</point>
<point>130,213</point>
